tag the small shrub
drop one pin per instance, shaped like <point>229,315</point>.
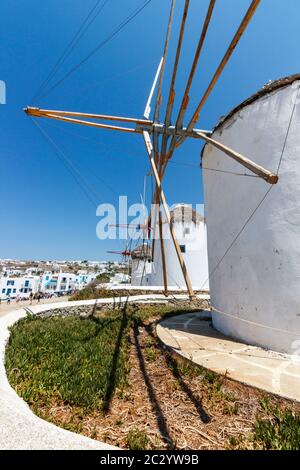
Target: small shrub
<point>137,440</point>
<point>280,432</point>
<point>150,354</point>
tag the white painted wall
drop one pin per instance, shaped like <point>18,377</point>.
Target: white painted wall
<point>195,256</point>
<point>63,282</point>
<point>117,279</point>
<point>140,272</point>
<point>259,279</point>
<point>22,286</point>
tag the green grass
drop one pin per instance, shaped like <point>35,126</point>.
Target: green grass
<point>79,361</point>
<point>137,440</point>
<point>275,429</point>
<point>281,431</point>
<point>91,292</point>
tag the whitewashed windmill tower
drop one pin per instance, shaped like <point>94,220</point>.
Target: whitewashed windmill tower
<point>253,230</point>
<point>141,265</point>
<point>190,230</point>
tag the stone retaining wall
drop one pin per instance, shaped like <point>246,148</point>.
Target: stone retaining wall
<point>89,310</point>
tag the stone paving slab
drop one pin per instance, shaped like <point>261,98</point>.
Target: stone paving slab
<point>193,337</point>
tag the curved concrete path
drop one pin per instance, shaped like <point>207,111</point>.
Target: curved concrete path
<point>193,337</point>
<point>19,427</point>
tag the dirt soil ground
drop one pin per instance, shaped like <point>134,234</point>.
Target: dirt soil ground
<point>170,404</point>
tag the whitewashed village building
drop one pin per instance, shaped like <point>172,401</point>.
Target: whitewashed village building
<point>64,282</point>
<point>22,286</point>
<point>49,282</point>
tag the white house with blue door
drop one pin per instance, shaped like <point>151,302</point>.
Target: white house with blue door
<point>22,286</point>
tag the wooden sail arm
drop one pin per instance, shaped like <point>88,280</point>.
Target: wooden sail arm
<point>242,28</point>
<point>123,253</point>
<point>163,256</point>
<point>38,112</point>
<point>148,126</point>
<point>185,99</point>
<point>171,97</point>
<point>35,112</point>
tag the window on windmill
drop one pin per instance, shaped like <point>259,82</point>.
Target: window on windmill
<point>187,231</point>
<point>182,248</point>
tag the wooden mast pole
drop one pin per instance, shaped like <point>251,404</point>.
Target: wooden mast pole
<point>163,257</point>
<point>158,103</point>
<point>246,162</point>
<point>168,216</point>
<point>169,108</point>
<point>171,97</point>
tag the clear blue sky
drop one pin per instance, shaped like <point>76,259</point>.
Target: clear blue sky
<point>44,213</point>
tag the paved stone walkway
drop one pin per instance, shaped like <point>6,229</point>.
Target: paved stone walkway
<point>6,308</point>
<point>192,336</point>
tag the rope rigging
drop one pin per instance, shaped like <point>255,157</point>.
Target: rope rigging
<point>90,170</point>
<point>288,130</point>
<point>268,191</point>
<point>91,195</point>
<point>70,47</point>
<point>98,47</point>
<point>238,235</point>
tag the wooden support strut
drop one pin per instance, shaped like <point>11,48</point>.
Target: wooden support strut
<point>246,162</point>
<point>163,257</point>
<point>154,216</point>
<point>168,216</point>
